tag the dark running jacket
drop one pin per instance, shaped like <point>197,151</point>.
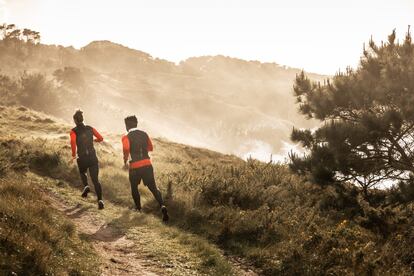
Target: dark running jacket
<point>81,140</point>
<point>136,145</point>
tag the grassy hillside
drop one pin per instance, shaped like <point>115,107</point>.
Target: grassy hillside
<point>34,154</point>
<point>222,103</point>
<point>279,222</point>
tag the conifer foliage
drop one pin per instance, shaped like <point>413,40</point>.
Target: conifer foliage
<point>9,32</point>
<point>367,119</point>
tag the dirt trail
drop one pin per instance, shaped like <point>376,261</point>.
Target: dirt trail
<point>119,253</point>
<point>116,250</point>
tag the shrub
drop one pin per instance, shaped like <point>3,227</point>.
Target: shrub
<point>38,93</point>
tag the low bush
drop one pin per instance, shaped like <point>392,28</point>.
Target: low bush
<point>284,224</point>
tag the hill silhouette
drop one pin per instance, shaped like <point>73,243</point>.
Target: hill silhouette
<point>222,103</point>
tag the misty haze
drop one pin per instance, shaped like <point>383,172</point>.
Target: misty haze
<point>230,105</point>
<point>270,138</point>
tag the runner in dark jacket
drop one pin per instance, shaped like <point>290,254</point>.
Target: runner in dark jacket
<point>81,141</point>
<point>136,144</point>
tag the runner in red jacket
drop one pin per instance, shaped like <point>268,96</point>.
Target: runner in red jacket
<point>136,144</point>
<point>81,142</point>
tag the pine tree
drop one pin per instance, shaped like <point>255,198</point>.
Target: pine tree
<point>367,115</point>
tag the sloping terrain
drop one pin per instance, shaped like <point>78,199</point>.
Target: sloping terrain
<point>228,216</point>
<point>120,241</point>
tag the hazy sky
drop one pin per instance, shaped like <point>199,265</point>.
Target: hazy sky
<point>319,35</point>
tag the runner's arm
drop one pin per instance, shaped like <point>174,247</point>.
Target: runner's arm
<point>125,148</point>
<point>98,136</point>
<point>73,143</point>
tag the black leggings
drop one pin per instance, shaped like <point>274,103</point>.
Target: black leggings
<point>85,164</point>
<point>147,175</point>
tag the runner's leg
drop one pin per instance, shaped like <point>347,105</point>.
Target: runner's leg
<point>82,171</point>
<point>94,173</point>
<point>135,179</point>
<point>149,181</point>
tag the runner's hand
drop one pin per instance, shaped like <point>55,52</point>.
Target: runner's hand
<point>125,167</point>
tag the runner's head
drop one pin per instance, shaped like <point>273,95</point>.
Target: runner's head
<point>131,122</point>
<point>78,117</point>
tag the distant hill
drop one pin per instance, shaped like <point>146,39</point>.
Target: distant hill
<point>222,103</point>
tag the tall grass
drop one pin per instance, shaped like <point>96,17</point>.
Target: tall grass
<point>286,225</point>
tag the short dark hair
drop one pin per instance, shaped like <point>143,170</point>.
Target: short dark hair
<point>78,117</point>
<point>131,122</point>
